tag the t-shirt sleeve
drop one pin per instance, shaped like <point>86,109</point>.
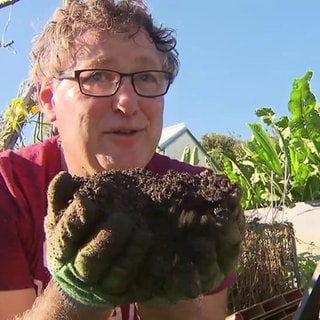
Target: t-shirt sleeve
<point>24,177</point>
<point>14,270</point>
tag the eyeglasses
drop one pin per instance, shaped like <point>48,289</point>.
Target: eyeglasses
<point>105,83</point>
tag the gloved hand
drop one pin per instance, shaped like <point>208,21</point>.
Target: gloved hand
<point>95,242</point>
<point>133,236</point>
<point>198,226</point>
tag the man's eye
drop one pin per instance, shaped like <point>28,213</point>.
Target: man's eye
<point>147,77</point>
<point>91,76</point>
<point>97,76</point>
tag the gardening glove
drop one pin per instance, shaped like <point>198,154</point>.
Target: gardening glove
<point>95,241</point>
<point>180,233</point>
<point>197,225</point>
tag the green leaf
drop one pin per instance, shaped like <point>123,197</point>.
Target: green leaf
<point>305,116</point>
<point>186,154</point>
<point>267,115</point>
<point>263,148</point>
<point>239,176</point>
<point>194,156</point>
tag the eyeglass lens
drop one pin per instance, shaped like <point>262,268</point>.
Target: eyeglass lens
<point>106,82</point>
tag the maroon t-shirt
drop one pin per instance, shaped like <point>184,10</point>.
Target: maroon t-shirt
<point>24,178</point>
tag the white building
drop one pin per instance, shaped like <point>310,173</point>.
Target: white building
<point>175,138</point>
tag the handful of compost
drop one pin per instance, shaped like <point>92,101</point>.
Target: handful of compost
<point>133,236</point>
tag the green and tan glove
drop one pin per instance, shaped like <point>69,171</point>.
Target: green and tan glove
<point>198,226</point>
<point>132,236</point>
<point>95,241</point>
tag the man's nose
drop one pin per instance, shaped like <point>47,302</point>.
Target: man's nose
<point>126,99</point>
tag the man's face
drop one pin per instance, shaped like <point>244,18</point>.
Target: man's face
<point>101,133</point>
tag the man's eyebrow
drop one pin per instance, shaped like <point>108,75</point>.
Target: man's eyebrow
<point>139,62</point>
<point>99,63</point>
<point>147,61</point>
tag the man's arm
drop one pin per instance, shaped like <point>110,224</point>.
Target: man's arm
<point>51,305</point>
<point>14,302</point>
<point>211,307</point>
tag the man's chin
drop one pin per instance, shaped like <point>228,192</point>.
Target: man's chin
<point>123,164</point>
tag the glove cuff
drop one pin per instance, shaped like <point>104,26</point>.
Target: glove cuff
<point>83,293</point>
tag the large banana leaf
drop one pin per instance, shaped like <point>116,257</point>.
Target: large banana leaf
<point>305,118</point>
<point>264,149</point>
<point>239,175</point>
<point>282,131</point>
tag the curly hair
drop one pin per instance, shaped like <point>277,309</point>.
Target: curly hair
<point>57,41</point>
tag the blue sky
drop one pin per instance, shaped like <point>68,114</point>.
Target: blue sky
<point>236,56</point>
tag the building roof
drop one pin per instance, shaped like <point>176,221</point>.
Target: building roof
<point>171,133</point>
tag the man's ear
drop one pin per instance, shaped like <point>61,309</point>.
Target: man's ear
<point>45,96</point>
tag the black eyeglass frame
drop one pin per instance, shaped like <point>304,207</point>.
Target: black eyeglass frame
<point>75,74</point>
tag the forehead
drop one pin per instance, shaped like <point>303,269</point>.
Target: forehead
<point>117,50</point>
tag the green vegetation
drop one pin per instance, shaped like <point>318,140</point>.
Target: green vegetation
<point>189,156</point>
<point>218,144</point>
<point>280,164</point>
<point>22,115</point>
<point>307,263</point>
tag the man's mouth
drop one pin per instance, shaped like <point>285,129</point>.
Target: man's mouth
<point>125,132</point>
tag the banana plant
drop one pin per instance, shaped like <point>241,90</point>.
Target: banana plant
<point>281,168</point>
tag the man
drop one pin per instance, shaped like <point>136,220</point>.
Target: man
<point>101,69</point>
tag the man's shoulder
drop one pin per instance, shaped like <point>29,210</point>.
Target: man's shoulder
<point>32,150</point>
<point>36,153</point>
<point>31,164</point>
<point>161,164</point>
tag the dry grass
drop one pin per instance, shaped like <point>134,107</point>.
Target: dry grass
<point>267,264</point>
